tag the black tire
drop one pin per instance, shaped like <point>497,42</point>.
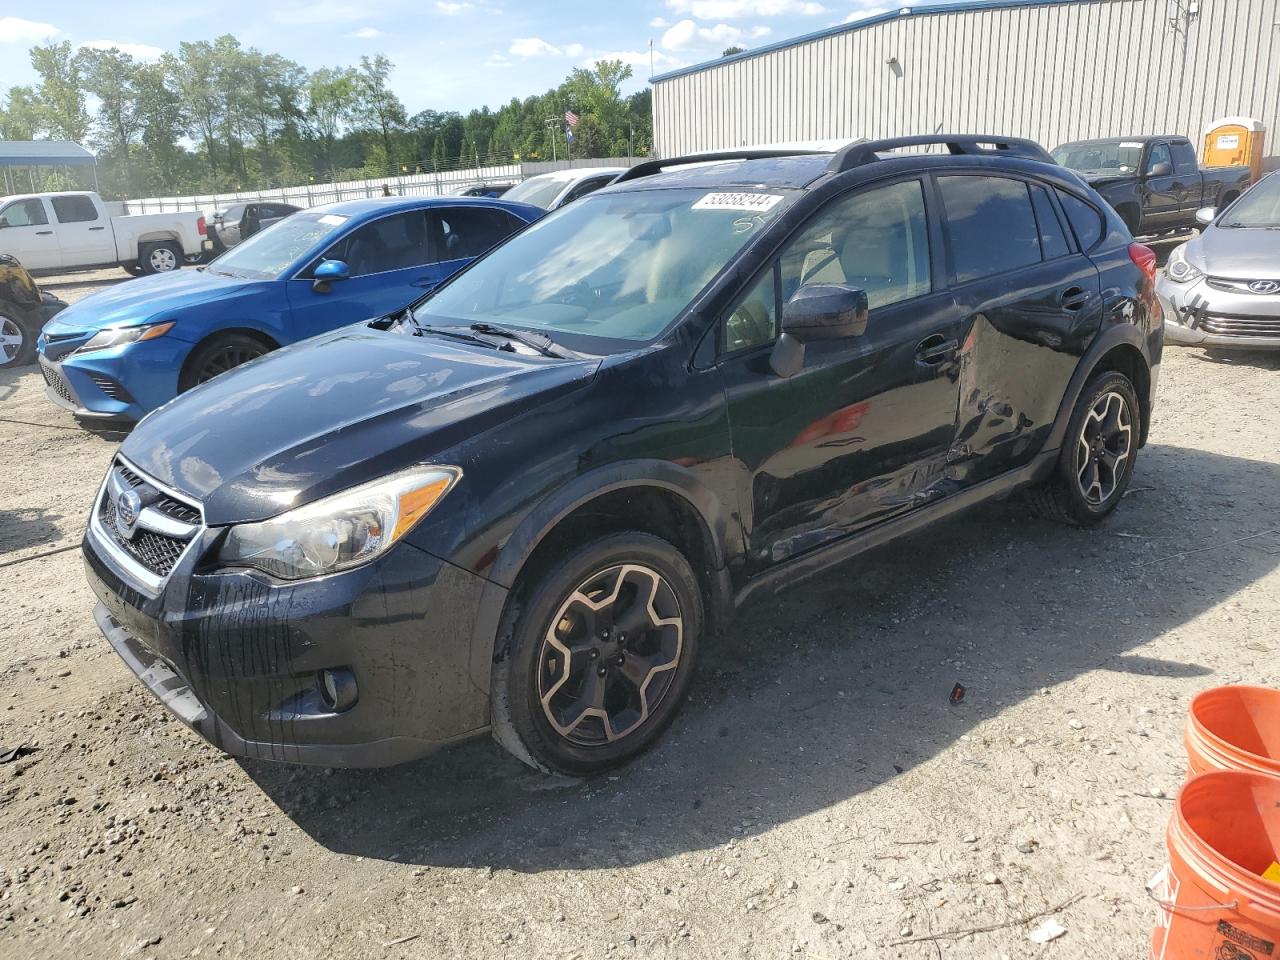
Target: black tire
<point>640,694</point>
<point>1085,453</point>
<point>163,257</point>
<point>18,331</point>
<point>218,355</point>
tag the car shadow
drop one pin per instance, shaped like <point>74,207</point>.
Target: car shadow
<point>1256,359</point>
<point>26,527</point>
<point>840,685</point>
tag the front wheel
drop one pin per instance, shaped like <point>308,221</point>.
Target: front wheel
<point>601,653</point>
<point>219,355</point>
<point>1097,456</point>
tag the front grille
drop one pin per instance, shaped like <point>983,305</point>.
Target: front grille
<point>58,383</point>
<point>164,503</point>
<point>157,552</point>
<point>59,337</point>
<point>1237,286</point>
<point>1238,326</point>
<point>112,389</point>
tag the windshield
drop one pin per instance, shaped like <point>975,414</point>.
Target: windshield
<point>1259,207</point>
<point>266,255</point>
<point>613,266</point>
<point>539,191</point>
<point>1102,157</point>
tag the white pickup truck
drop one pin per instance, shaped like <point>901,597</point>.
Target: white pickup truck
<point>53,232</point>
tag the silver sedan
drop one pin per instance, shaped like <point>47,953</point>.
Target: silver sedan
<point>1222,288</point>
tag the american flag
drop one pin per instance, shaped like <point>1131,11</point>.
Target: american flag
<point>571,118</point>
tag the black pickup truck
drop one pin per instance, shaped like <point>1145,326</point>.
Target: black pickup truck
<point>1154,183</point>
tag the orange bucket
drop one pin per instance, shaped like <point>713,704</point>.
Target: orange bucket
<point>1214,902</point>
<point>1234,728</point>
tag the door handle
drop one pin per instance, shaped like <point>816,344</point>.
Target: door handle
<point>97,228</point>
<point>935,349</point>
<point>1073,298</point>
<point>44,233</point>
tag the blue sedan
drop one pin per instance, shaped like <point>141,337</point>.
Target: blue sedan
<point>122,352</point>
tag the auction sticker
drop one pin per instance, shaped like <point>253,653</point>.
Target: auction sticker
<point>754,202</point>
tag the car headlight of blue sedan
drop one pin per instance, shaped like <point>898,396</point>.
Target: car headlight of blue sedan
<point>123,336</point>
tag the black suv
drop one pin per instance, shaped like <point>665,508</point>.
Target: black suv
<point>521,504</point>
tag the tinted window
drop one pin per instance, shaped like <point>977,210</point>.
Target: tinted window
<point>391,243</point>
<point>1053,238</point>
<point>1184,157</point>
<point>469,233</point>
<point>588,186</point>
<point>24,213</point>
<point>1086,221</point>
<point>991,225</point>
<point>877,240</point>
<point>1159,154</point>
<point>74,209</point>
<point>754,321</point>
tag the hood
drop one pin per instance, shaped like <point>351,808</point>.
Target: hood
<point>1236,253</point>
<point>333,412</point>
<point>156,298</point>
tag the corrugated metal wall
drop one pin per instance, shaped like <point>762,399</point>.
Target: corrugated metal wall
<point>1052,71</point>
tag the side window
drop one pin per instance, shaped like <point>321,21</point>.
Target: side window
<point>1159,154</point>
<point>1184,157</point>
<point>23,213</point>
<point>875,239</point>
<point>392,243</point>
<point>991,225</point>
<point>1053,237</point>
<point>1086,221</point>
<point>590,185</point>
<point>468,233</point>
<point>74,209</point>
<point>754,321</point>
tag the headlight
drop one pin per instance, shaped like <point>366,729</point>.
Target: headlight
<point>340,531</point>
<point>1178,269</point>
<point>120,336</point>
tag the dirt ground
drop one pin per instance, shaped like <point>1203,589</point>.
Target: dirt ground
<point>818,797</point>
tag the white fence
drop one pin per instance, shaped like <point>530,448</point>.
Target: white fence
<point>414,184</point>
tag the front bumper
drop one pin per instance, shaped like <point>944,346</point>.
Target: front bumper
<point>1197,314</point>
<point>119,384</point>
<point>238,658</point>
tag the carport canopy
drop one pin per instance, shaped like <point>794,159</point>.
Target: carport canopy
<point>44,153</point>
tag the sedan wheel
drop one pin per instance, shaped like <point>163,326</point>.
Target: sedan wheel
<point>227,358</point>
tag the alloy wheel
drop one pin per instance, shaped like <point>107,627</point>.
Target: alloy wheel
<point>12,340</point>
<point>162,260</point>
<point>1103,448</point>
<point>610,654</point>
<point>226,359</point>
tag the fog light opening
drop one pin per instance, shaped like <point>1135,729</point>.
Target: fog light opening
<point>338,689</point>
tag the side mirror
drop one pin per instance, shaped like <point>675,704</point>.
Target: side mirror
<point>327,273</point>
<point>817,311</point>
<point>1161,169</point>
<point>1206,214</point>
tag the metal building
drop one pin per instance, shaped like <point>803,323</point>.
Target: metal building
<point>1051,70</point>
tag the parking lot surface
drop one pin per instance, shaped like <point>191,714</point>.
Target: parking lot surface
<point>818,797</point>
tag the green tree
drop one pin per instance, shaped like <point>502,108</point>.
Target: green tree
<point>20,116</point>
<point>376,107</point>
<point>331,99</point>
<point>60,92</point>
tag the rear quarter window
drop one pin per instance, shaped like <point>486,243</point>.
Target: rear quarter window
<point>1086,221</point>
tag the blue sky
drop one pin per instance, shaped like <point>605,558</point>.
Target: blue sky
<point>448,54</point>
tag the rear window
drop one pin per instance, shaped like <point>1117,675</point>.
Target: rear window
<point>74,209</point>
<point>1086,221</point>
<point>991,225</point>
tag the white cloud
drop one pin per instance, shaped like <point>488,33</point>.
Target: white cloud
<point>686,33</point>
<point>450,7</point>
<point>659,22</point>
<point>498,60</point>
<point>737,9</point>
<point>864,13</point>
<point>139,51</point>
<point>17,30</point>
<point>532,47</point>
<point>366,33</point>
<point>573,49</point>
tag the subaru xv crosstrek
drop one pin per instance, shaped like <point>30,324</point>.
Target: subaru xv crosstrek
<point>520,505</point>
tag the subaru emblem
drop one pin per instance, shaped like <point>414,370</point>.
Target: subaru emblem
<point>1265,286</point>
<point>128,506</point>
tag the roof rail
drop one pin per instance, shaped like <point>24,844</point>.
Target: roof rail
<point>857,154</point>
<point>650,167</point>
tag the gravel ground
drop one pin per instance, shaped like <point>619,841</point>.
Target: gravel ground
<point>818,797</point>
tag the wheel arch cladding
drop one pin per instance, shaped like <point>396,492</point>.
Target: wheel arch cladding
<point>658,498</point>
<point>1115,349</point>
<point>1127,359</point>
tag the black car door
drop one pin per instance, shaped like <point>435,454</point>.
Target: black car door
<point>1163,189</point>
<point>862,431</point>
<point>1031,302</point>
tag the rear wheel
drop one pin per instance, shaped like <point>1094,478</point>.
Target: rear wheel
<point>219,355</point>
<point>1097,456</point>
<point>18,333</point>
<point>163,257</point>
<point>601,653</point>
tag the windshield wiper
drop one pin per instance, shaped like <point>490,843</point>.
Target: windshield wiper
<point>543,344</point>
